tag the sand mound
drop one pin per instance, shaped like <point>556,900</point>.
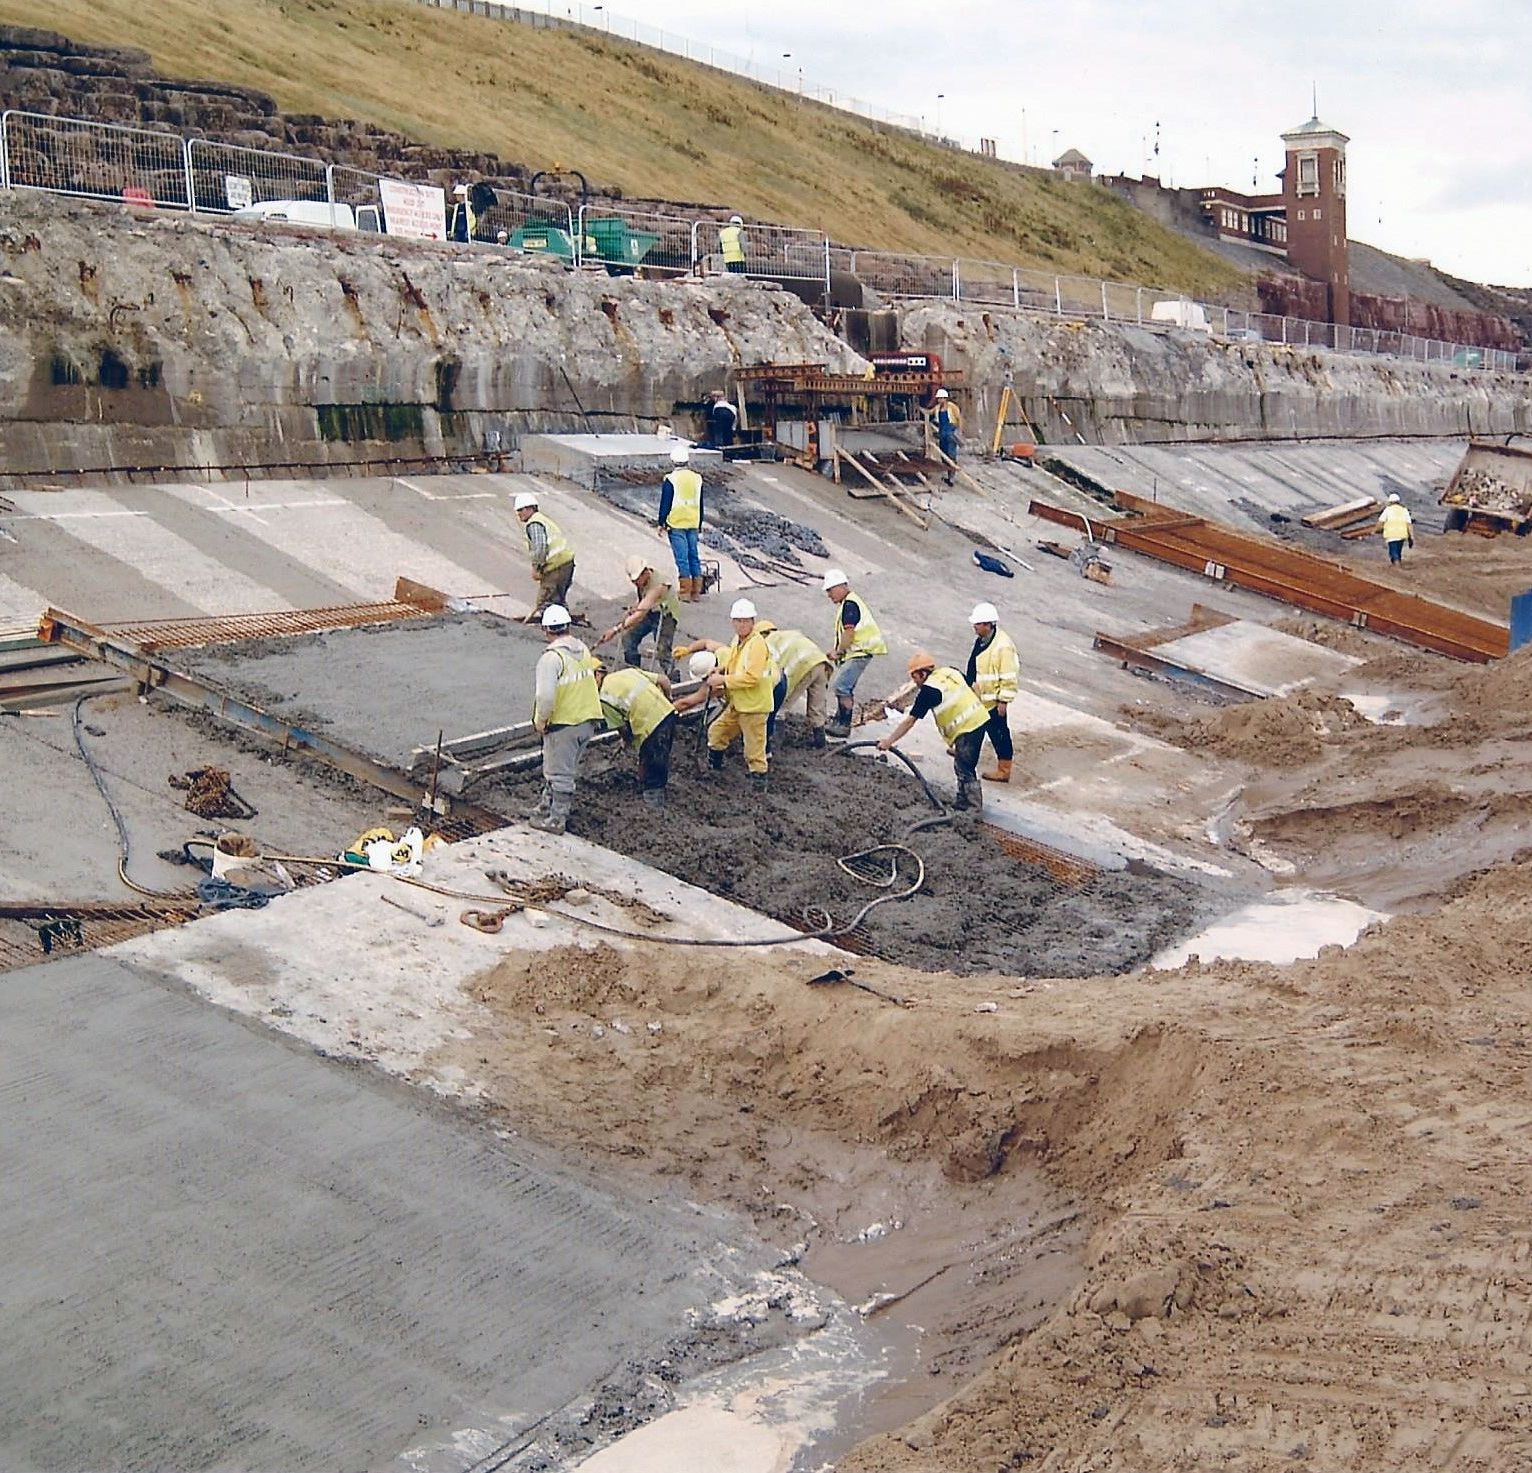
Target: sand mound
<point>1280,731</point>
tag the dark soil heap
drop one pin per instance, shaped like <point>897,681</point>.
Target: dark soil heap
<point>978,911</point>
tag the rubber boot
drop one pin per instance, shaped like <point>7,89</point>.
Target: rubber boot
<point>1000,772</point>
<point>715,760</point>
<point>759,782</point>
<point>654,798</point>
<point>556,819</point>
<point>970,798</point>
<point>840,725</point>
<point>817,738</point>
<point>544,803</point>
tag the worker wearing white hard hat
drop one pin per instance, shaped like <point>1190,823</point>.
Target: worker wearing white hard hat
<point>856,640</point>
<point>947,420</point>
<point>1397,526</point>
<point>994,674</point>
<point>657,611</point>
<point>551,552</point>
<point>746,678</point>
<point>731,242</point>
<point>566,707</point>
<point>680,520</point>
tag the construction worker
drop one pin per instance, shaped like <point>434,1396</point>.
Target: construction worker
<point>857,640</point>
<point>1397,526</point>
<point>746,677</point>
<point>960,717</point>
<point>657,612</point>
<point>806,668</point>
<point>680,519</point>
<point>552,554</point>
<point>994,672</point>
<point>731,241</point>
<point>637,705</point>
<point>566,708</point>
<point>948,420</point>
<point>722,417</point>
<point>803,667</point>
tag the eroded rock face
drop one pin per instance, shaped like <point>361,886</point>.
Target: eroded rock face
<point>153,340</point>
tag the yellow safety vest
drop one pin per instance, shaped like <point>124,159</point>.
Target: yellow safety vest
<point>796,655</point>
<point>685,500</point>
<point>1396,522</point>
<point>732,239</point>
<point>577,698</point>
<point>757,696</point>
<point>961,711</point>
<point>633,699</point>
<point>868,639</point>
<point>559,549</point>
<point>997,671</point>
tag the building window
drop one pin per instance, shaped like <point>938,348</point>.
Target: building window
<point>1340,175</point>
<point>1308,174</point>
<point>1300,214</point>
<point>1316,212</point>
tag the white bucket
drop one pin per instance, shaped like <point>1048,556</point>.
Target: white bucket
<point>231,852</point>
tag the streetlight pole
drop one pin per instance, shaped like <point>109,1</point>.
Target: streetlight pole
<point>939,97</point>
<point>788,56</point>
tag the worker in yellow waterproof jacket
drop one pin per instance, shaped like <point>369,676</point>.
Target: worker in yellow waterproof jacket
<point>731,242</point>
<point>637,705</point>
<point>994,673</point>
<point>746,678</point>
<point>960,717</point>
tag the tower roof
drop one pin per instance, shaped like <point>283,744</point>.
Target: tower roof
<point>1312,131</point>
<point>1070,156</point>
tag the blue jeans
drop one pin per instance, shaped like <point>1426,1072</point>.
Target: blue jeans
<point>1396,551</point>
<point>683,547</point>
<point>846,677</point>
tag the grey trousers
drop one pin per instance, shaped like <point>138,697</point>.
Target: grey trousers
<point>562,746</point>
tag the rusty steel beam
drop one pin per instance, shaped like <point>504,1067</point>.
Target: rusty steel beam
<point>1292,576</point>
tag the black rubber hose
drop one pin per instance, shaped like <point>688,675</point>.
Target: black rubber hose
<point>942,815</point>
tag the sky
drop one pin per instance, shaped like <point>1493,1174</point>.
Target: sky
<point>1435,96</point>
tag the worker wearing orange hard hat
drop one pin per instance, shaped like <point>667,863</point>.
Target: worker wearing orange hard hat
<point>960,717</point>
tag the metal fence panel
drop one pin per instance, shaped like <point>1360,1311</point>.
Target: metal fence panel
<point>534,224</point>
<point>95,160</point>
<point>777,252</point>
<point>225,178</point>
<point>623,241</point>
<point>904,276</point>
<point>358,191</point>
<point>990,283</point>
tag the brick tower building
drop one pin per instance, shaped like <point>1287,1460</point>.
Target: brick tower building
<point>1314,194</point>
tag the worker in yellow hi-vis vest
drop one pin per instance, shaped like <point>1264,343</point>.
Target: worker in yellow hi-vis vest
<point>566,708</point>
<point>551,552</point>
<point>731,241</point>
<point>960,717</point>
<point>1397,526</point>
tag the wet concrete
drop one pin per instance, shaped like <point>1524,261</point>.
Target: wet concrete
<point>225,1251</point>
<point>977,911</point>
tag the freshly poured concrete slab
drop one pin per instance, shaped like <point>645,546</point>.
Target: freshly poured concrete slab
<point>1255,658</point>
<point>225,1251</point>
<point>578,457</point>
<point>387,689</point>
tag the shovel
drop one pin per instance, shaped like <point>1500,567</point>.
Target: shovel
<point>844,974</point>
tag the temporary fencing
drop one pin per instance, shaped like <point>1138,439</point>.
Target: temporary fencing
<point>95,160</point>
<point>149,167</point>
<point>225,178</point>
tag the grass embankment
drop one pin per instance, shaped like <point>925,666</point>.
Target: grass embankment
<point>648,123</point>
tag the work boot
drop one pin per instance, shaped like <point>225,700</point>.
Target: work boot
<point>544,803</point>
<point>970,797</point>
<point>655,798</point>
<point>1000,772</point>
<point>556,819</point>
<point>817,737</point>
<point>715,760</point>
<point>691,589</point>
<point>759,782</point>
<point>840,723</point>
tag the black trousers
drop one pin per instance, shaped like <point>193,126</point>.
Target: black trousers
<point>999,733</point>
<point>966,751</point>
<point>654,755</point>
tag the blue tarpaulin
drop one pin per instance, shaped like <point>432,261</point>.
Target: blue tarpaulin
<point>1521,619</point>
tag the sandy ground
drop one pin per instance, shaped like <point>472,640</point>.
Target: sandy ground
<point>1480,574</point>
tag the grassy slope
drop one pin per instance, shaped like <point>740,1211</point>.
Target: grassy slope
<point>648,123</point>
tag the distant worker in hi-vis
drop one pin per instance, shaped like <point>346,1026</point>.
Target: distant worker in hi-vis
<point>1397,526</point>
<point>731,241</point>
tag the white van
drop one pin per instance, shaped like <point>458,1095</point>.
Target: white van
<point>1179,313</point>
<point>302,212</point>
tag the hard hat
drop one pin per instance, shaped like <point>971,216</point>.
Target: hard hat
<point>834,578</point>
<point>702,664</point>
<point>943,394</point>
<point>525,500</point>
<point>680,454</point>
<point>736,220</point>
<point>556,616</point>
<point>634,568</point>
<point>1393,496</point>
<point>743,609</point>
<point>460,189</point>
<point>984,614</point>
<point>920,660</point>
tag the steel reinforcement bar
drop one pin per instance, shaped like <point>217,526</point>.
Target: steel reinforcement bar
<point>1294,577</point>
